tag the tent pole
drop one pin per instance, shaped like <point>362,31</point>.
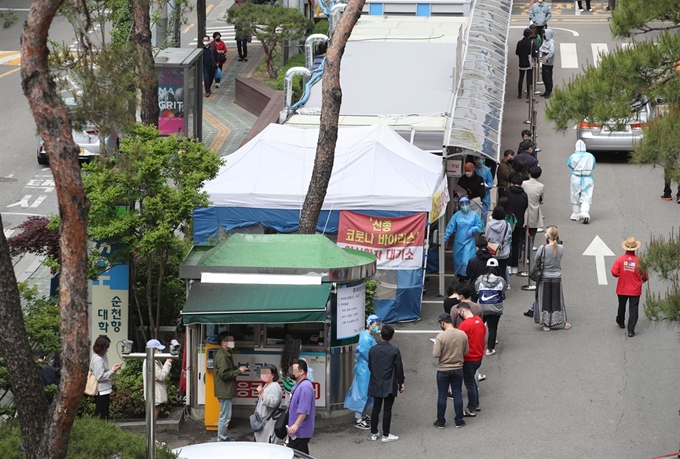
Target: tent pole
<point>442,255</point>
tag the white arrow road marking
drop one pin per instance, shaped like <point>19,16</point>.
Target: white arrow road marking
<point>24,201</point>
<point>8,232</point>
<point>599,250</point>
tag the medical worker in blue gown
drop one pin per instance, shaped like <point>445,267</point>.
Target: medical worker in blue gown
<point>357,398</point>
<point>582,165</point>
<point>484,172</point>
<point>465,225</point>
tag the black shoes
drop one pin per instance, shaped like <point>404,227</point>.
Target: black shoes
<point>519,96</point>
<point>546,95</point>
<point>529,313</point>
<point>621,324</point>
<point>438,425</point>
<point>631,334</point>
<point>462,424</point>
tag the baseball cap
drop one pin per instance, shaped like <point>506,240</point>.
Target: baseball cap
<point>444,317</point>
<point>155,343</point>
<point>491,262</point>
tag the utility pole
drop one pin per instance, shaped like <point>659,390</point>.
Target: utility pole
<point>200,18</point>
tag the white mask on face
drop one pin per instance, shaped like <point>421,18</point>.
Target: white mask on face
<point>231,344</point>
<point>206,43</point>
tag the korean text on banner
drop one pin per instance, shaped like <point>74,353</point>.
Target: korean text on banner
<point>397,242</point>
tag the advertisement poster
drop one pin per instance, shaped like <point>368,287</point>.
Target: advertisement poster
<point>397,242</point>
<point>351,311</point>
<point>170,101</point>
<point>439,201</point>
<point>110,306</point>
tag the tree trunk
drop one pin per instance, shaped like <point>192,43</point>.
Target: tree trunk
<point>50,440</point>
<point>148,78</point>
<point>331,99</point>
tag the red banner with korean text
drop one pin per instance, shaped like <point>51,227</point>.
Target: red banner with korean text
<point>397,242</point>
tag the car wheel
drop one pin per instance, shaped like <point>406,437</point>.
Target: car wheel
<point>42,160</point>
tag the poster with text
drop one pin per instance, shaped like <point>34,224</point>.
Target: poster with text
<point>171,101</point>
<point>110,307</point>
<point>397,242</point>
<point>351,311</point>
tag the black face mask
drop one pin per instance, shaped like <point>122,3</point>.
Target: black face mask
<point>218,39</point>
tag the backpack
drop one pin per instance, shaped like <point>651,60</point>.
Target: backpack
<point>490,297</point>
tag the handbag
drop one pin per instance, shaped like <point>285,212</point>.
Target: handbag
<point>92,385</point>
<point>256,421</point>
<point>222,57</point>
<point>537,270</point>
<point>218,73</point>
<point>493,248</point>
<point>281,426</point>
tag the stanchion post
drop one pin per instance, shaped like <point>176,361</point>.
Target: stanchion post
<point>529,249</point>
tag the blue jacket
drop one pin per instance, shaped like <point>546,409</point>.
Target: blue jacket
<point>540,13</point>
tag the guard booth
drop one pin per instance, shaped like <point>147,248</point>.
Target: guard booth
<point>180,100</point>
<point>263,288</point>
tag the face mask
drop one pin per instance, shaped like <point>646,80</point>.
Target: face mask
<point>468,174</point>
<point>375,329</point>
<point>206,43</point>
<point>465,208</point>
<point>231,345</point>
<point>266,378</point>
<point>217,39</point>
<point>480,163</point>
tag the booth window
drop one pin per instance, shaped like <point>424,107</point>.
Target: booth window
<point>311,334</point>
<point>243,333</point>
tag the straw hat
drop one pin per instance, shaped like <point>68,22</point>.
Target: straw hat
<point>631,244</point>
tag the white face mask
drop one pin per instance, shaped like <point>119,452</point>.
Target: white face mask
<point>206,43</point>
<point>231,344</point>
<point>468,174</point>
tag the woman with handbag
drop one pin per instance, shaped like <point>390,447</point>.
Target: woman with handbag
<point>498,233</point>
<point>550,309</point>
<point>268,401</point>
<point>100,368</point>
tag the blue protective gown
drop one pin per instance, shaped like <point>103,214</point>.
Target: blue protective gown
<point>582,165</point>
<point>357,397</point>
<point>485,173</point>
<point>464,225</point>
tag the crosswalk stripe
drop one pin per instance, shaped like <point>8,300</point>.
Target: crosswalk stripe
<point>227,31</point>
<point>568,55</point>
<point>599,50</point>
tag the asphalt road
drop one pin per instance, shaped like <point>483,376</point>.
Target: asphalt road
<point>590,392</point>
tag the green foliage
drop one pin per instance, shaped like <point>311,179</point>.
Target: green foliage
<point>127,398</point>
<point>322,27</point>
<point>271,25</point>
<point>161,180</point>
<point>90,438</point>
<point>42,320</point>
<point>644,72</point>
<point>371,287</point>
<point>662,257</point>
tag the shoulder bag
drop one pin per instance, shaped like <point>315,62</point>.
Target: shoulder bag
<point>281,426</point>
<point>256,422</point>
<point>92,386</point>
<point>537,271</point>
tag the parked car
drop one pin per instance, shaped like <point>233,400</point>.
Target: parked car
<point>87,139</point>
<point>618,135</point>
<point>241,449</point>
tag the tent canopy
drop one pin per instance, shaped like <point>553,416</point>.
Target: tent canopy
<point>374,169</point>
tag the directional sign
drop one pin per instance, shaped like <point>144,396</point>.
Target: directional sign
<point>599,250</point>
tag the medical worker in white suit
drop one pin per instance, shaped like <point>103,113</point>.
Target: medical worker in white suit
<point>582,165</point>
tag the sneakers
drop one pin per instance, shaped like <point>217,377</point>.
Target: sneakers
<point>362,424</point>
<point>585,217</point>
<point>438,425</point>
<point>217,85</point>
<point>374,437</point>
<point>462,424</point>
<point>574,217</point>
<point>490,351</point>
<point>581,10</point>
<point>529,313</point>
<point>590,10</point>
<point>481,377</point>
<point>389,438</point>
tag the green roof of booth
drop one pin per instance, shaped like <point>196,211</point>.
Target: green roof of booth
<point>279,254</point>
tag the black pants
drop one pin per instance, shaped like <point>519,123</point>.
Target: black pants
<point>208,77</point>
<point>540,30</point>
<point>242,46</point>
<point>492,324</point>
<point>518,235</point>
<point>300,444</point>
<point>219,64</point>
<point>547,73</point>
<point>101,403</point>
<point>633,303</point>
<point>387,415</point>
<point>530,78</point>
<point>580,5</point>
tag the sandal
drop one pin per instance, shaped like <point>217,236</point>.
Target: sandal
<point>467,414</point>
<point>567,326</point>
<point>546,328</point>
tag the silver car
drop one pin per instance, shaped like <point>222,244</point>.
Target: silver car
<point>615,135</point>
<point>88,140</point>
<point>238,449</point>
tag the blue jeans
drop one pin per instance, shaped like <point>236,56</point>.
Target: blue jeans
<point>454,380</point>
<point>225,417</point>
<point>469,371</point>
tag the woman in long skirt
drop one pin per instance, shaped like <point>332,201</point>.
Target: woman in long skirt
<point>550,310</point>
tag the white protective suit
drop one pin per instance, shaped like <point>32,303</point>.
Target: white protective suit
<point>582,165</point>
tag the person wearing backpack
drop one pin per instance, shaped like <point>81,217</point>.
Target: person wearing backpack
<point>491,290</point>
